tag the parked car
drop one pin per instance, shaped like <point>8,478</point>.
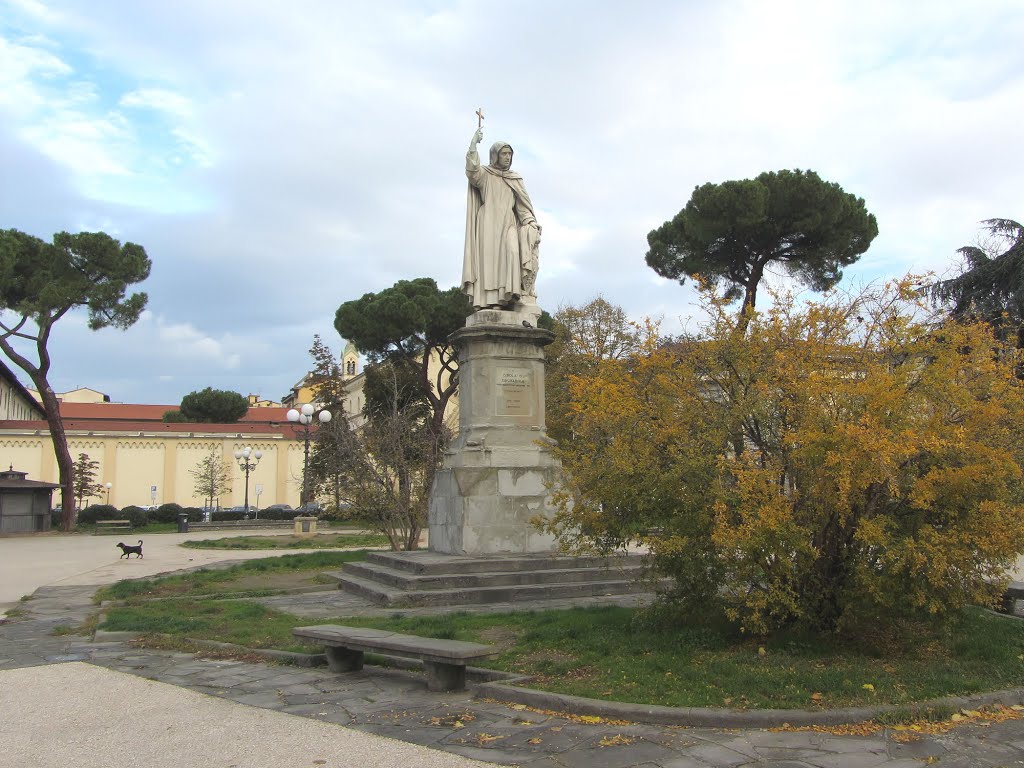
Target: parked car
<point>286,507</point>
<point>309,508</point>
<point>241,508</point>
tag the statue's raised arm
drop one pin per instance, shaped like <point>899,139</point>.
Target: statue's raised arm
<point>502,235</point>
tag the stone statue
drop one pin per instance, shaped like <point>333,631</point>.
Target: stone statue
<point>502,235</point>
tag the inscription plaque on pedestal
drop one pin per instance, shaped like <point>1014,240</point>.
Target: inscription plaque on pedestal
<point>514,395</point>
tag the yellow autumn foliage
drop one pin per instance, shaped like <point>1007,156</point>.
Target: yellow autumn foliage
<point>839,460</point>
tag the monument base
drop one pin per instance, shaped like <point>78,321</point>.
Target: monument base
<point>490,509</point>
<point>496,479</point>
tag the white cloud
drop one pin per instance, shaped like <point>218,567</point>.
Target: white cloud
<point>159,99</point>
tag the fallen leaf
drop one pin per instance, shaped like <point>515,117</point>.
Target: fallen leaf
<point>589,719</point>
<point>618,740</point>
<point>533,741</point>
<point>868,687</point>
<point>816,697</point>
<point>484,738</point>
<point>761,651</point>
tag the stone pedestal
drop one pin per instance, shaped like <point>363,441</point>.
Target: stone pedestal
<point>496,475</point>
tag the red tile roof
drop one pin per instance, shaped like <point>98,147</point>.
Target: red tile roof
<point>128,417</point>
<point>148,413</point>
<point>99,426</point>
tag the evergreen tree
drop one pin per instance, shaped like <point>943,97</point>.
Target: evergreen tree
<point>85,484</point>
<point>991,285</point>
<point>40,283</point>
<point>729,233</point>
<point>210,406</point>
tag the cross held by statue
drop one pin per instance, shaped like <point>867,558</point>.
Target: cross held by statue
<point>480,118</point>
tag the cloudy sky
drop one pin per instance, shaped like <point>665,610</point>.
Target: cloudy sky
<point>277,159</point>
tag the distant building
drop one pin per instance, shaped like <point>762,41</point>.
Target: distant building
<point>147,461</point>
<point>302,391</point>
<point>16,400</point>
<point>80,395</point>
<point>255,401</point>
<point>354,379</point>
<point>24,504</point>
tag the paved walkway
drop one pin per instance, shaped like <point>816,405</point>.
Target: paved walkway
<point>70,701</point>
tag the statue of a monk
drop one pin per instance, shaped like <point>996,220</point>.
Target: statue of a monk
<point>502,234</point>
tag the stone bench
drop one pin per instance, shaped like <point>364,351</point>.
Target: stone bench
<point>113,526</point>
<point>443,660</point>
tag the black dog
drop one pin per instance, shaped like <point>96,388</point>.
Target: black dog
<point>126,550</point>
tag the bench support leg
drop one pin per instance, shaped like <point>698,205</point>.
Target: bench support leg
<point>343,659</point>
<point>445,677</point>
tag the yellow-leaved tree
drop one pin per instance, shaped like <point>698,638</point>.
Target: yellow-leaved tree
<point>838,461</point>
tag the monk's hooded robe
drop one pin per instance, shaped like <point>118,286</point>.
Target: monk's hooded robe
<point>502,237</point>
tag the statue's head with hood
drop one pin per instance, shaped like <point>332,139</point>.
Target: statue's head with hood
<point>501,156</point>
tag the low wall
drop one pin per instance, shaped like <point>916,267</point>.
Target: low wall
<point>234,525</point>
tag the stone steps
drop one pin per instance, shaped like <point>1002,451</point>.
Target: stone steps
<point>417,582</point>
<point>409,579</point>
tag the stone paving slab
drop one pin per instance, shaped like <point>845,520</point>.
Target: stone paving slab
<point>396,704</point>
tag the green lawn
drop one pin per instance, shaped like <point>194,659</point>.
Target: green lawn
<point>614,654</point>
<point>265,575</point>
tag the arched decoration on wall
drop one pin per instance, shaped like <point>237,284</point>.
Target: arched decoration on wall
<point>21,444</point>
<point>204,446</point>
<point>84,446</point>
<point>140,445</point>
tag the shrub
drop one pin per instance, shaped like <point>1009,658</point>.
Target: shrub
<point>342,513</point>
<point>165,513</point>
<point>91,514</point>
<point>841,464</point>
<point>195,514</point>
<point>138,516</point>
<point>278,514</point>
<point>223,514</point>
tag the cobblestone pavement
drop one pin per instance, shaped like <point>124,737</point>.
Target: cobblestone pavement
<point>396,704</point>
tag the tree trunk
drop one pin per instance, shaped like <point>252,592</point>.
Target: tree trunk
<point>65,466</point>
<point>750,295</point>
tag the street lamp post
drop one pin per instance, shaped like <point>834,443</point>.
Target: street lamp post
<point>109,486</point>
<point>304,416</point>
<point>247,466</point>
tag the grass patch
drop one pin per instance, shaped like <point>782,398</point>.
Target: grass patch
<point>227,621</point>
<point>610,653</point>
<point>320,541</point>
<point>265,575</point>
<point>89,528</point>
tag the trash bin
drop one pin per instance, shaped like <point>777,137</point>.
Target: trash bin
<point>183,522</point>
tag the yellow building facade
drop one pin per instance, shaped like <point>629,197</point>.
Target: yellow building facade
<point>148,462</point>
